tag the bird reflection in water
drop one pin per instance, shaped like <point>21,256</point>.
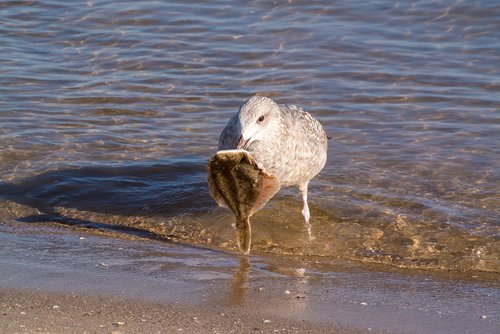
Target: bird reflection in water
<point>240,279</point>
<point>292,291</point>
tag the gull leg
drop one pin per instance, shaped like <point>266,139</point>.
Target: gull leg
<point>305,210</point>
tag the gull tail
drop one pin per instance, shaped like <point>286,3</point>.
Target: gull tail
<point>244,235</point>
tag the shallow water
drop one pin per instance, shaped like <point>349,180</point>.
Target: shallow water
<point>110,110</point>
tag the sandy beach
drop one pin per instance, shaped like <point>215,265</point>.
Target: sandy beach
<point>104,284</point>
<point>24,311</point>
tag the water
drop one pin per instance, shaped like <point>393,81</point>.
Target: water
<point>109,111</point>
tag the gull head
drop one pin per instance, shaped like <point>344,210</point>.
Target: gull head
<point>258,117</point>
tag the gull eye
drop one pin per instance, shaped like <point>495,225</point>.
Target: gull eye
<point>261,118</point>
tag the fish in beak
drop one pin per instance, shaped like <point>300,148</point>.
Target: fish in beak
<point>236,181</point>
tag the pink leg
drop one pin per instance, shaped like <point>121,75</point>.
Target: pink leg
<point>305,209</point>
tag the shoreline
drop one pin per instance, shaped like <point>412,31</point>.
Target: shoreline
<point>38,311</point>
<point>58,282</point>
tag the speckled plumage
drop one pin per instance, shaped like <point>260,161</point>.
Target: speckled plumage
<point>288,142</point>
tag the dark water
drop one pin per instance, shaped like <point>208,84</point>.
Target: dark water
<point>109,110</point>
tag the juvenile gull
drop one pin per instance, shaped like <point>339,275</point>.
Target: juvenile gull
<point>284,139</point>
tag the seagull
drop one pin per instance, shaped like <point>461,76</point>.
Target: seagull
<point>284,139</point>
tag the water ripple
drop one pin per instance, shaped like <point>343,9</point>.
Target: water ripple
<point>99,99</point>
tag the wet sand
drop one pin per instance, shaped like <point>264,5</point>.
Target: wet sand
<point>60,280</point>
<point>36,311</point>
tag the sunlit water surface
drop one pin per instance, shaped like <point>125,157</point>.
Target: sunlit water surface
<point>109,111</point>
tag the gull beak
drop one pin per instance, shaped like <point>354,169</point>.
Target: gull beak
<point>242,143</point>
